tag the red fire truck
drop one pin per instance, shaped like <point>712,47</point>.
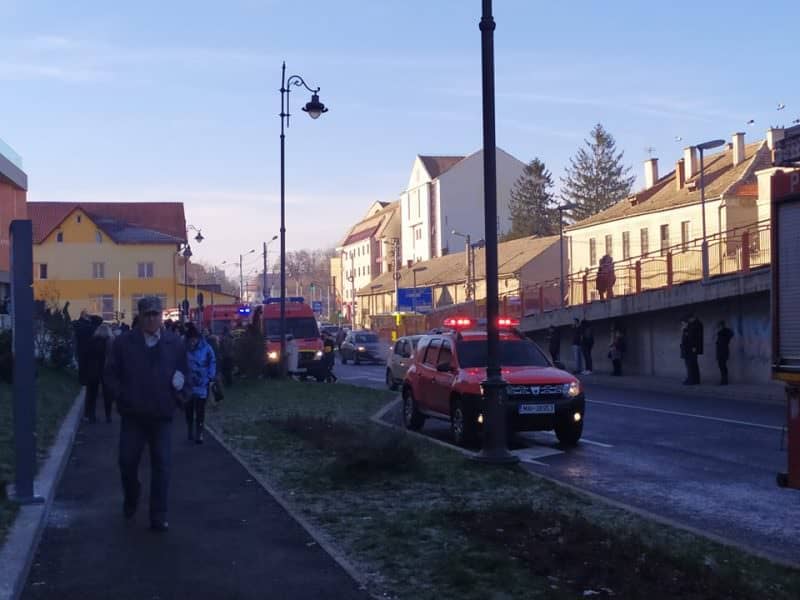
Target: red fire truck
<point>301,324</point>
<point>219,316</point>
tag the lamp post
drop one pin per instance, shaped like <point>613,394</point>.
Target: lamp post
<point>561,208</point>
<point>414,272</point>
<point>264,292</point>
<point>704,246</point>
<point>187,254</point>
<point>241,274</point>
<point>495,450</point>
<point>314,108</point>
<point>469,285</point>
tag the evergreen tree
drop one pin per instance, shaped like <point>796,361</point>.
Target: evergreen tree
<point>596,177</point>
<point>532,206</point>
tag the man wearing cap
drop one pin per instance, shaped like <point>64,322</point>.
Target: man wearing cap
<point>146,375</point>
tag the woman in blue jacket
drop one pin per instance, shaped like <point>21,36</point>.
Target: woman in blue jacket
<point>202,372</point>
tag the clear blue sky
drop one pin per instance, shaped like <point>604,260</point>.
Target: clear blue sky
<point>178,100</point>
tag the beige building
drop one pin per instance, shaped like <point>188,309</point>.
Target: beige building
<point>522,264</point>
<point>666,217</point>
<point>370,248</point>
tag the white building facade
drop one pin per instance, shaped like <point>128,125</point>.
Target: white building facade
<point>445,193</point>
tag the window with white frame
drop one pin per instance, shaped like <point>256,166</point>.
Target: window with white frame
<point>610,245</point>
<point>684,235</point>
<point>102,305</point>
<point>592,251</point>
<point>98,270</point>
<point>626,245</point>
<point>42,270</point>
<point>146,270</point>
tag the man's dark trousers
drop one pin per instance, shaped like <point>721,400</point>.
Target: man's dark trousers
<point>692,369</point>
<point>135,432</point>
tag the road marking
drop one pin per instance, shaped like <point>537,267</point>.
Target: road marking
<point>583,440</point>
<point>685,414</point>
<point>531,454</point>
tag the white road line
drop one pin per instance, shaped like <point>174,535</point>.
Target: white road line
<point>685,414</point>
<point>531,454</point>
<point>583,440</point>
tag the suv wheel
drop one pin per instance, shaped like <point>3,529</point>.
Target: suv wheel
<point>390,382</point>
<point>569,432</point>
<point>462,424</point>
<point>412,418</point>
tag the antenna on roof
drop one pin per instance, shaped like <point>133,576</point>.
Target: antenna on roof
<point>678,138</point>
<point>750,122</point>
<point>650,151</point>
<point>796,121</point>
<point>781,106</point>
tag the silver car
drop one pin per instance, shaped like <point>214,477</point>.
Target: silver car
<point>400,359</point>
<point>362,346</point>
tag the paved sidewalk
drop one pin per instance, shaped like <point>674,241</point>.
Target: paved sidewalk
<point>768,393</point>
<point>228,537</point>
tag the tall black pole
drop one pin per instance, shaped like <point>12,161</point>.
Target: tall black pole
<point>495,448</point>
<point>185,285</point>
<point>561,252</point>
<point>704,245</point>
<point>282,329</point>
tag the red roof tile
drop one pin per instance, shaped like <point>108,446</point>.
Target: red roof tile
<point>163,217</point>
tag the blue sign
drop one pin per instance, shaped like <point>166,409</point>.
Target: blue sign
<point>316,306</point>
<point>415,299</point>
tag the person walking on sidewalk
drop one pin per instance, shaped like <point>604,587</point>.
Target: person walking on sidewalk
<point>587,343</point>
<point>146,375</point>
<point>723,342</point>
<point>554,343</point>
<point>84,328</point>
<point>577,352</point>
<point>328,349</point>
<point>202,372</point>
<point>96,352</point>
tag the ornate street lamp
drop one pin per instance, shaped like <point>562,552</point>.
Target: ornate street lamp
<point>187,254</point>
<point>314,108</point>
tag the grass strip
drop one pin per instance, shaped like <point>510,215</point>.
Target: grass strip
<point>55,394</point>
<point>423,522</point>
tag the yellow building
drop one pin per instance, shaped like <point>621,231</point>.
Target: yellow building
<point>103,257</point>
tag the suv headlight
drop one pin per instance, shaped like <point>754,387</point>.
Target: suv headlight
<point>318,355</point>
<point>273,355</point>
<point>572,389</point>
<point>361,349</point>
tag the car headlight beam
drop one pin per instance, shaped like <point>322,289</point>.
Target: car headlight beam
<point>572,389</point>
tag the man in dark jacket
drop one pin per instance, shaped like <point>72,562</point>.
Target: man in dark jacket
<point>84,328</point>
<point>146,375</point>
<point>554,343</point>
<point>691,348</point>
<point>723,341</point>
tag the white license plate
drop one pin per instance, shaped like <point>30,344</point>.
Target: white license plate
<point>537,409</point>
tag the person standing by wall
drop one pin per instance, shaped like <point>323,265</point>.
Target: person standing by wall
<point>577,352</point>
<point>98,348</point>
<point>616,350</point>
<point>587,343</point>
<point>723,341</point>
<point>146,376</point>
<point>202,371</point>
<point>691,348</point>
<point>554,343</point>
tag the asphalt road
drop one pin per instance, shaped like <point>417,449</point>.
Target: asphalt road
<point>705,463</point>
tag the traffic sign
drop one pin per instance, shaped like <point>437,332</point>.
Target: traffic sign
<point>316,306</point>
<point>415,299</point>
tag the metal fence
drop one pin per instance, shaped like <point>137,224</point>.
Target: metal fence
<point>737,250</point>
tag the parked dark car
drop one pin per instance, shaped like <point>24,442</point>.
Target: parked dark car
<point>362,346</point>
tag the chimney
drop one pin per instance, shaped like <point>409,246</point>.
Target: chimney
<point>410,263</point>
<point>691,162</point>
<point>738,148</point>
<point>680,175</point>
<point>773,136</point>
<point>650,172</point>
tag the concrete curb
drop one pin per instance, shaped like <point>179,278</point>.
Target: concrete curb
<point>315,533</point>
<point>377,418</point>
<point>19,550</point>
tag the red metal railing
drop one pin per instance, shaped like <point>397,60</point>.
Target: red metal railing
<point>737,250</point>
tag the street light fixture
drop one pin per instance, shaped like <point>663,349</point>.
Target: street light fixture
<point>469,286</point>
<point>704,246</point>
<point>495,449</point>
<point>241,274</point>
<point>264,292</point>
<point>199,237</point>
<point>187,254</point>
<point>314,108</point>
<point>561,208</point>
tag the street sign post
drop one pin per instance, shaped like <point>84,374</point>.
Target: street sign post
<point>316,306</point>
<point>415,299</point>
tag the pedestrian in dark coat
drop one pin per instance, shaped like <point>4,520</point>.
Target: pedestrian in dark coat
<point>723,342</point>
<point>328,347</point>
<point>587,343</point>
<point>84,328</point>
<point>554,343</point>
<point>226,356</point>
<point>98,348</point>
<point>202,372</point>
<point>146,376</point>
<point>691,348</point>
<point>616,350</point>
<point>577,351</point>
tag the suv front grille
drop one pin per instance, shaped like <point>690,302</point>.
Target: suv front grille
<point>550,390</point>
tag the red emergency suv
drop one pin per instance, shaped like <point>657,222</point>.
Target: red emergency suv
<point>444,382</point>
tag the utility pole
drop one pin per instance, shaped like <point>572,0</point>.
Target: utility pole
<point>241,280</point>
<point>264,280</point>
<point>469,267</point>
<point>396,271</point>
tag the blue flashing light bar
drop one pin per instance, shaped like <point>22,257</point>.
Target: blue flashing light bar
<point>244,310</point>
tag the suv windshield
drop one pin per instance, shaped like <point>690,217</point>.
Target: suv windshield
<point>513,353</point>
<point>366,338</point>
<point>299,327</point>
